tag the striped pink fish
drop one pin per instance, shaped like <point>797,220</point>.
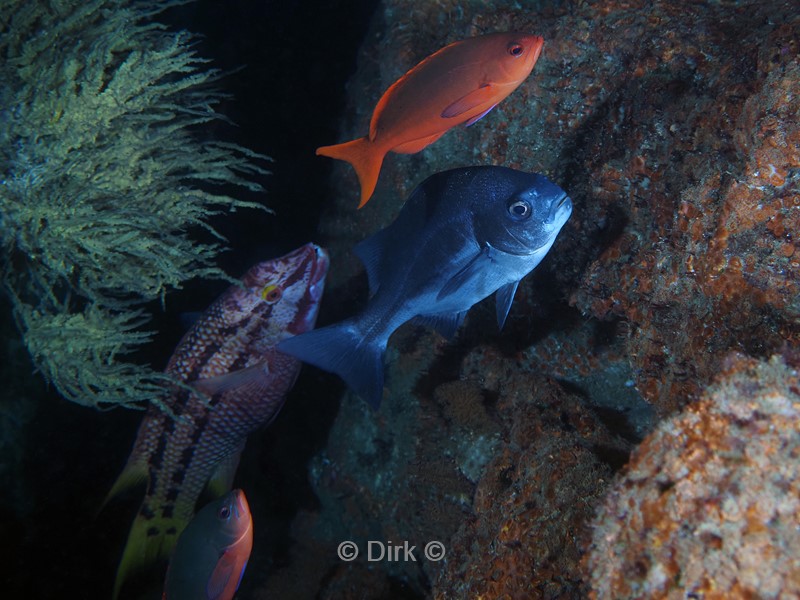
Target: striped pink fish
<point>234,381</point>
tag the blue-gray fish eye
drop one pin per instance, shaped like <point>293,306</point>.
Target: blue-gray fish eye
<point>224,513</point>
<point>519,209</point>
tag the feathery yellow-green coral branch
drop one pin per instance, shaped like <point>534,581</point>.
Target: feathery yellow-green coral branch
<point>100,182</point>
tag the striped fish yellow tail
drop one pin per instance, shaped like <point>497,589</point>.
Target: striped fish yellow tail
<point>233,383</point>
<point>366,159</point>
<point>150,542</point>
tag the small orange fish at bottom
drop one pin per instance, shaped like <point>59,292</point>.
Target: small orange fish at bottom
<point>212,552</point>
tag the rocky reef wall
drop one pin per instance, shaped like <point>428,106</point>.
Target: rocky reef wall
<point>674,128</point>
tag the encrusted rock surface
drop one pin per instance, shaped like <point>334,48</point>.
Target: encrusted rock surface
<point>709,506</point>
<point>675,128</point>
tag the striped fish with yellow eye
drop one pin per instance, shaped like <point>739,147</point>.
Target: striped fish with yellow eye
<point>234,382</point>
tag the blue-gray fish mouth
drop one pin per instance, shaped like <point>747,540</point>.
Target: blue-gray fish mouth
<point>560,210</point>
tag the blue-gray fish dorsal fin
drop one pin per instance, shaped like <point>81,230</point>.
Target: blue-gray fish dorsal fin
<point>474,268</point>
<point>503,299</point>
<point>413,218</point>
<point>446,324</point>
<point>370,252</point>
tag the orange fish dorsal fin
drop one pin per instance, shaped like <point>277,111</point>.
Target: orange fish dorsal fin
<point>366,159</point>
<point>486,94</point>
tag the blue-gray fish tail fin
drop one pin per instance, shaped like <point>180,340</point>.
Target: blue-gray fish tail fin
<point>341,349</point>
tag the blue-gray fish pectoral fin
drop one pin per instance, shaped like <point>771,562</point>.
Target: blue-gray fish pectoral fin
<point>503,299</point>
<point>446,324</point>
<point>341,349</point>
<point>474,269</point>
<point>370,252</point>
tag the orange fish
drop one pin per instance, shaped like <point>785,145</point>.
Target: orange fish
<point>458,84</point>
<point>212,552</point>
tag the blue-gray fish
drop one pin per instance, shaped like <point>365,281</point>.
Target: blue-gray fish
<point>462,235</point>
<point>234,381</point>
<point>212,552</point>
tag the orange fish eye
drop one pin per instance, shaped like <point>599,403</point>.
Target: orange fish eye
<point>516,49</point>
<point>271,293</point>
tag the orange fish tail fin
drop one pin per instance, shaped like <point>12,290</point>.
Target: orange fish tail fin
<point>150,542</point>
<point>365,158</point>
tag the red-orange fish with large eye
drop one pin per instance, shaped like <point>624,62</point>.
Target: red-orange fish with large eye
<point>458,84</point>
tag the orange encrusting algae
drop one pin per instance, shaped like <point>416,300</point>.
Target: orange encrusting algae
<point>458,84</point>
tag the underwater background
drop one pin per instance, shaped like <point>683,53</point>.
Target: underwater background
<point>632,432</point>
